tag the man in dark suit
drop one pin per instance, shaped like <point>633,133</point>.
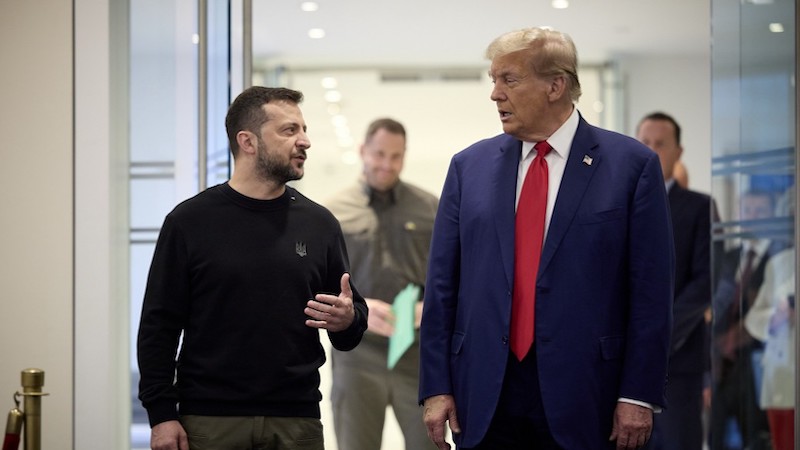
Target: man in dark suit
<point>580,359</point>
<point>680,427</point>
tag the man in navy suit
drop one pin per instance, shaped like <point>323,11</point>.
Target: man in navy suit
<point>596,369</point>
<point>680,426</point>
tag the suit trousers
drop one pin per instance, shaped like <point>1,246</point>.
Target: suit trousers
<point>680,426</point>
<point>362,389</point>
<point>519,422</point>
<point>734,397</point>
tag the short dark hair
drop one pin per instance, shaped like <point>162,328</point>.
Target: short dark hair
<point>247,112</point>
<point>385,123</point>
<point>658,115</point>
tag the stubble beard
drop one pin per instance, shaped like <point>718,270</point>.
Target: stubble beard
<point>271,168</point>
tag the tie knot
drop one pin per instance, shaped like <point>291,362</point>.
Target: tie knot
<point>542,148</point>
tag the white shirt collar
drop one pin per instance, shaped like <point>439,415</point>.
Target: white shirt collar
<point>561,140</point>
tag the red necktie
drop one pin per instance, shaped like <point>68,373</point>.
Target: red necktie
<point>528,239</point>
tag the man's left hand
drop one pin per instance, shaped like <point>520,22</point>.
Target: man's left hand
<point>333,313</point>
<point>632,426</point>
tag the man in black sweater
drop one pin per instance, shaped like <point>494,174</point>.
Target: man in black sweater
<point>246,272</point>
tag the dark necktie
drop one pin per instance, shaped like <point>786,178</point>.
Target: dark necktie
<point>741,301</point>
<point>528,239</point>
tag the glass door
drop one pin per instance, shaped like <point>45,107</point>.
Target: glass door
<point>181,59</point>
<point>754,127</point>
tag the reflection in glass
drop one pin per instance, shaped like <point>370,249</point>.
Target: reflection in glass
<point>753,183</point>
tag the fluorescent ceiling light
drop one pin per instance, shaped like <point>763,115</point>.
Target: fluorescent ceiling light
<point>560,4</point>
<point>309,6</point>
<point>776,27</point>
<point>316,33</point>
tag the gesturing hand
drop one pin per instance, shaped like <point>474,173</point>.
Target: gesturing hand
<point>333,313</point>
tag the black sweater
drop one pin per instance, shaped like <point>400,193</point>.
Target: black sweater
<point>234,275</point>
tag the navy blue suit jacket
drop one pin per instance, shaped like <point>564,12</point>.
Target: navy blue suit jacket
<point>604,287</point>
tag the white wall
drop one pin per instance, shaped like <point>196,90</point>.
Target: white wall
<point>681,87</point>
<point>36,198</point>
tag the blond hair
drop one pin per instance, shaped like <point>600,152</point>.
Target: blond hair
<point>552,53</point>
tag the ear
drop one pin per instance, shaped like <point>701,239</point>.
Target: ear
<point>248,142</point>
<point>557,88</point>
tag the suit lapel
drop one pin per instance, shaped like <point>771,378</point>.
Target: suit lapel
<point>504,185</point>
<point>577,175</point>
<point>674,196</point>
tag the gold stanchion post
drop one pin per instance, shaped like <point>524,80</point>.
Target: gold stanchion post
<point>32,382</point>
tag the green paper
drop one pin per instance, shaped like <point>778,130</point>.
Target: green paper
<point>403,308</point>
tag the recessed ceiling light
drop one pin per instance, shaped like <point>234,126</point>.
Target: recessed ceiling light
<point>333,96</point>
<point>329,83</point>
<point>309,6</point>
<point>776,27</point>
<point>316,33</point>
<point>560,4</point>
<point>195,38</point>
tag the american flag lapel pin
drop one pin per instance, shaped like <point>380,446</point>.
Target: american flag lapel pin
<point>587,160</point>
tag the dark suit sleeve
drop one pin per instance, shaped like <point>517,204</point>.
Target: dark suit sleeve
<point>651,287</point>
<point>693,294</point>
<point>438,316</point>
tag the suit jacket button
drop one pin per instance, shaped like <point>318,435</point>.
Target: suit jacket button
<point>505,340</point>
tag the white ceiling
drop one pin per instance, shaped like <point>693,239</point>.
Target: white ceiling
<point>454,33</point>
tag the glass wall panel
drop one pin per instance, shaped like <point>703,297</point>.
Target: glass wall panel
<point>753,183</point>
<point>164,117</point>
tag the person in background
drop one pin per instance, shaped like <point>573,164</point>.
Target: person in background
<point>387,225</point>
<point>547,317</point>
<point>771,320</point>
<point>680,174</point>
<point>734,398</point>
<point>246,273</point>
<point>679,426</point>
